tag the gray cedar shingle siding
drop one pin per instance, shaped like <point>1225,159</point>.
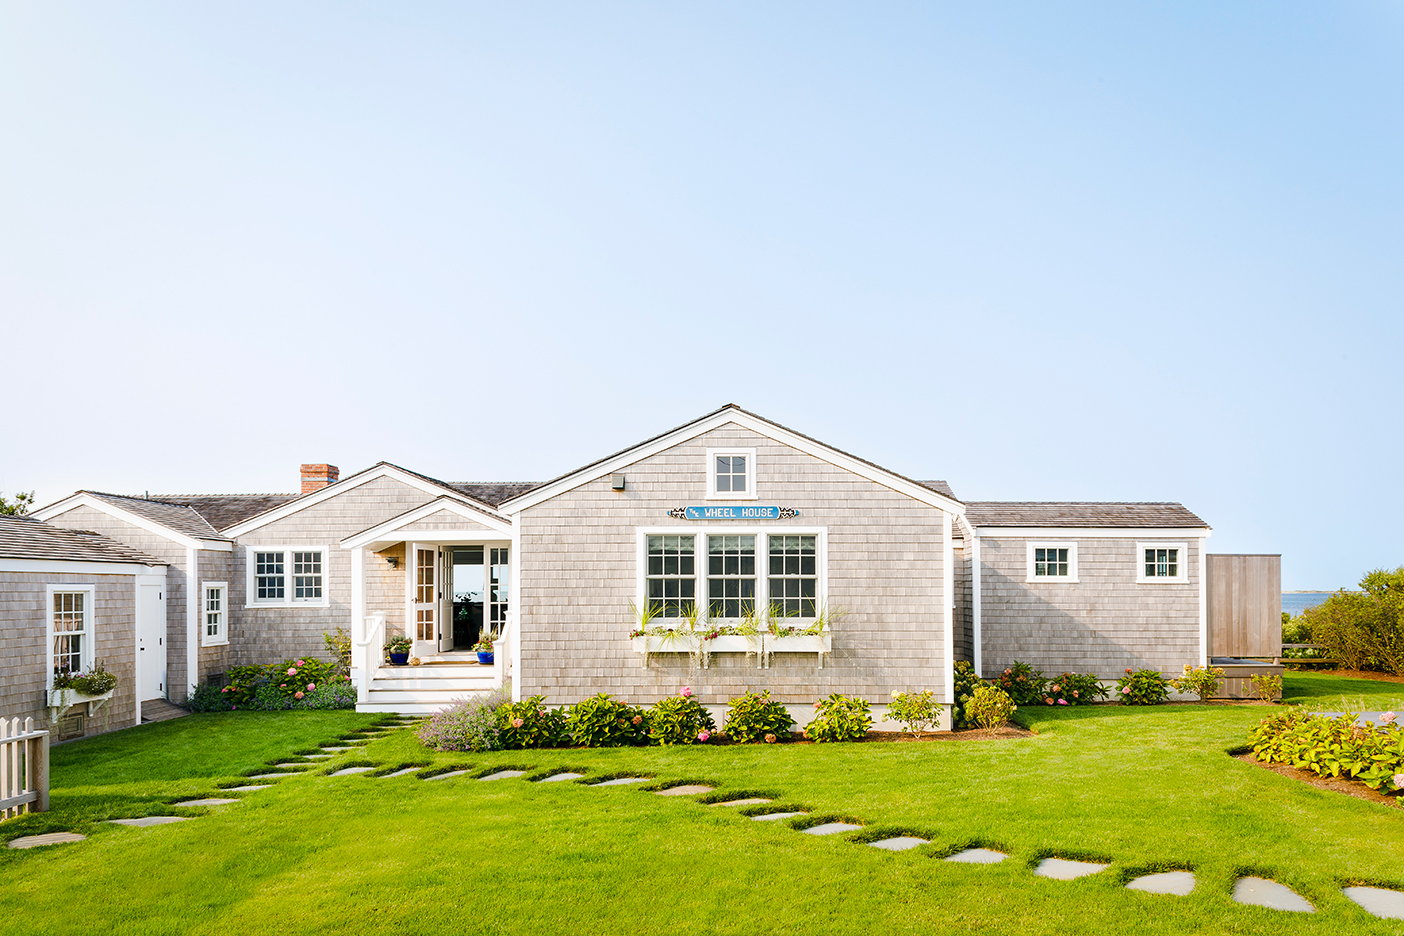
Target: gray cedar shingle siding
<point>1101,624</point>
<point>577,576</point>
<point>216,566</point>
<point>448,520</point>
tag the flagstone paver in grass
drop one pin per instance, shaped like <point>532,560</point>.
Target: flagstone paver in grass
<point>898,843</point>
<point>273,776</point>
<point>48,838</point>
<point>503,775</point>
<point>319,755</point>
<point>687,789</point>
<point>445,776</point>
<point>831,828</point>
<point>146,821</point>
<point>249,787</point>
<point>296,765</point>
<point>336,750</point>
<point>748,801</point>
<point>777,815</point>
<point>557,778</point>
<point>1061,869</point>
<point>1378,901</point>
<point>403,772</point>
<point>350,771</point>
<point>207,801</point>
<point>977,856</point>
<point>1260,892</point>
<point>621,781</point>
<point>1175,883</point>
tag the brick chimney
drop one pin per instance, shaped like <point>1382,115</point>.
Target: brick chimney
<point>316,477</point>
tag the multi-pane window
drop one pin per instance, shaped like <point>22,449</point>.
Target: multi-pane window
<point>307,575</point>
<point>70,631</point>
<point>731,576</point>
<point>731,474</point>
<point>1051,562</point>
<point>672,575</point>
<point>215,610</point>
<point>1162,563</point>
<point>269,578</point>
<point>425,593</point>
<point>497,588</point>
<point>793,578</point>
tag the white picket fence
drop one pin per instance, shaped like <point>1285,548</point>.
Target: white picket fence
<point>24,768</point>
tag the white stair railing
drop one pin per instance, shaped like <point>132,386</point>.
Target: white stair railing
<point>369,653</point>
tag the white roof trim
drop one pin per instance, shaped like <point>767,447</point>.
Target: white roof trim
<point>341,487</point>
<point>84,499</point>
<point>716,420</point>
<point>80,567</point>
<point>389,528</point>
<point>992,532</point>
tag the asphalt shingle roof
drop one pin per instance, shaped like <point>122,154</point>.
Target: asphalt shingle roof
<point>28,538</point>
<point>493,493</point>
<point>1047,514</point>
<point>223,511</point>
<point>173,516</point>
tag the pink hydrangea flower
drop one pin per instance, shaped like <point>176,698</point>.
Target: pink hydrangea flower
<point>703,735</point>
<point>686,693</point>
<point>1388,718</point>
<point>297,695</point>
<point>770,739</point>
<point>638,719</point>
<point>225,689</point>
<point>1125,689</point>
<point>292,670</point>
<point>282,685</point>
<point>1062,701</point>
<point>301,662</point>
<point>517,723</point>
<point>816,706</point>
<point>1399,781</point>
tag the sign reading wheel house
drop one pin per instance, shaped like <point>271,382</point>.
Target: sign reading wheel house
<point>733,513</point>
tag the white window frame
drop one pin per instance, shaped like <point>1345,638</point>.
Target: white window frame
<point>251,599</point>
<point>222,637</point>
<point>1182,578</point>
<point>1070,578</point>
<point>750,493</point>
<point>762,534</point>
<point>88,655</point>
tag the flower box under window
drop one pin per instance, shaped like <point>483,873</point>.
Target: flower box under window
<point>62,700</point>
<point>817,644</point>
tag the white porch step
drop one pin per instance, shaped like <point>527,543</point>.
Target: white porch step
<point>403,708</point>
<point>434,685</point>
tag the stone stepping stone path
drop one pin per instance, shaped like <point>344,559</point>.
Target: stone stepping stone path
<point>48,838</point>
<point>1259,892</point>
<point>298,765</point>
<point>336,750</point>
<point>1175,883</point>
<point>249,787</point>
<point>977,856</point>
<point>687,789</point>
<point>557,778</point>
<point>831,828</point>
<point>146,821</point>
<point>272,776</point>
<point>402,772</point>
<point>621,781</point>
<point>748,801</point>
<point>1388,904</point>
<point>208,801</point>
<point>445,776</point>
<point>318,755</point>
<point>350,771</point>
<point>767,817</point>
<point>503,775</point>
<point>898,843</point>
<point>1061,869</point>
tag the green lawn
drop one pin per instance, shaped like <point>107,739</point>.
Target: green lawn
<point>1142,788</point>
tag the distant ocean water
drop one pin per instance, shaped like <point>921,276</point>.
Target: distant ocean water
<point>1295,603</point>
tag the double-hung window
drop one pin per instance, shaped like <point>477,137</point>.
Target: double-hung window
<point>794,577</point>
<point>1052,562</point>
<point>731,474</point>
<point>287,575</point>
<point>731,576</point>
<point>216,610</point>
<point>672,575</point>
<point>71,628</point>
<point>1160,562</point>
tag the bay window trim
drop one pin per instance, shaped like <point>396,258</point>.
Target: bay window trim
<point>1182,572</point>
<point>1069,579</point>
<point>251,599</point>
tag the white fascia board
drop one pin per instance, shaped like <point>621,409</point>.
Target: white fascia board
<point>746,421</point>
<point>217,545</point>
<point>150,526</point>
<point>341,487</point>
<point>65,567</point>
<point>465,510</point>
<point>995,533</point>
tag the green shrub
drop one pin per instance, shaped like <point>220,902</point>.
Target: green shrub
<point>1022,683</point>
<point>990,707</point>
<point>1202,681</point>
<point>1073,689</point>
<point>966,682</point>
<point>338,646</point>
<point>917,711</point>
<point>207,697</point>
<point>530,724</point>
<point>1332,747</point>
<point>840,718</point>
<point>680,719</point>
<point>292,679</point>
<point>1143,687</point>
<point>603,721</point>
<point>1364,629</point>
<point>1267,686</point>
<point>753,718</point>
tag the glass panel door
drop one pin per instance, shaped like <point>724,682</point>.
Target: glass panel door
<point>426,597</point>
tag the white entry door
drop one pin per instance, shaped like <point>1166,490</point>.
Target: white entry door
<point>445,600</point>
<point>426,583</point>
<point>151,641</point>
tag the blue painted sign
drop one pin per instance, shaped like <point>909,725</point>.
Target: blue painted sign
<point>733,512</point>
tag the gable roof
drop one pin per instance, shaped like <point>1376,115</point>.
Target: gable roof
<point>392,528</point>
<point>940,487</point>
<point>1085,515</point>
<point>182,518</point>
<point>30,538</point>
<point>222,511</point>
<point>731,413</point>
<point>494,493</point>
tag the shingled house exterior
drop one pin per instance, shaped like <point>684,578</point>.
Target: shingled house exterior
<point>730,513</point>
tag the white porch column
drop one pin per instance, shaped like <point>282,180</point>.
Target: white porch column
<point>194,601</point>
<point>948,602</point>
<point>357,630</point>
<point>975,637</point>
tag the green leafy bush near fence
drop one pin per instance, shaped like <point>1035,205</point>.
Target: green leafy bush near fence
<point>1363,630</point>
<point>1332,747</point>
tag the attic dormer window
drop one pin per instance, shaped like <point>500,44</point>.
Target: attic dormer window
<point>731,474</point>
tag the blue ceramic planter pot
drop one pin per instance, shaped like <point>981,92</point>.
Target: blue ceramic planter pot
<point>485,658</point>
<point>399,659</point>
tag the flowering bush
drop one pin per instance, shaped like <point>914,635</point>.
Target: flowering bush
<point>966,682</point>
<point>1073,689</point>
<point>917,711</point>
<point>680,719</point>
<point>1333,747</point>
<point>603,721</point>
<point>530,724</point>
<point>1202,681</point>
<point>95,681</point>
<point>840,718</point>
<point>1024,684</point>
<point>1143,687</point>
<point>752,718</point>
<point>467,725</point>
<point>300,684</point>
<point>990,707</point>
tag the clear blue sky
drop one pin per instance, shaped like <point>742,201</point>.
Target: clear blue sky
<point>1043,251</point>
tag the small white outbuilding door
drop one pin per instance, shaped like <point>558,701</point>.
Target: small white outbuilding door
<point>151,641</point>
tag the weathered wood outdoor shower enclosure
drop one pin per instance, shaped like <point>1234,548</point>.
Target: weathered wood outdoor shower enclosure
<point>1245,618</point>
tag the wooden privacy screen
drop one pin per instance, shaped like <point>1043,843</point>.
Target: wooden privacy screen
<point>1245,606</point>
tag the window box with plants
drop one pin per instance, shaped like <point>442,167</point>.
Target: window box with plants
<point>681,633</point>
<point>95,687</point>
<point>397,650</point>
<point>813,636</point>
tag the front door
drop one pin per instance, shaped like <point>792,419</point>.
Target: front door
<point>445,615</point>
<point>425,624</point>
<point>151,641</point>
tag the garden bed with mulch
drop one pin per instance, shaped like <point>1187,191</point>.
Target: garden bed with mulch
<point>1337,784</point>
